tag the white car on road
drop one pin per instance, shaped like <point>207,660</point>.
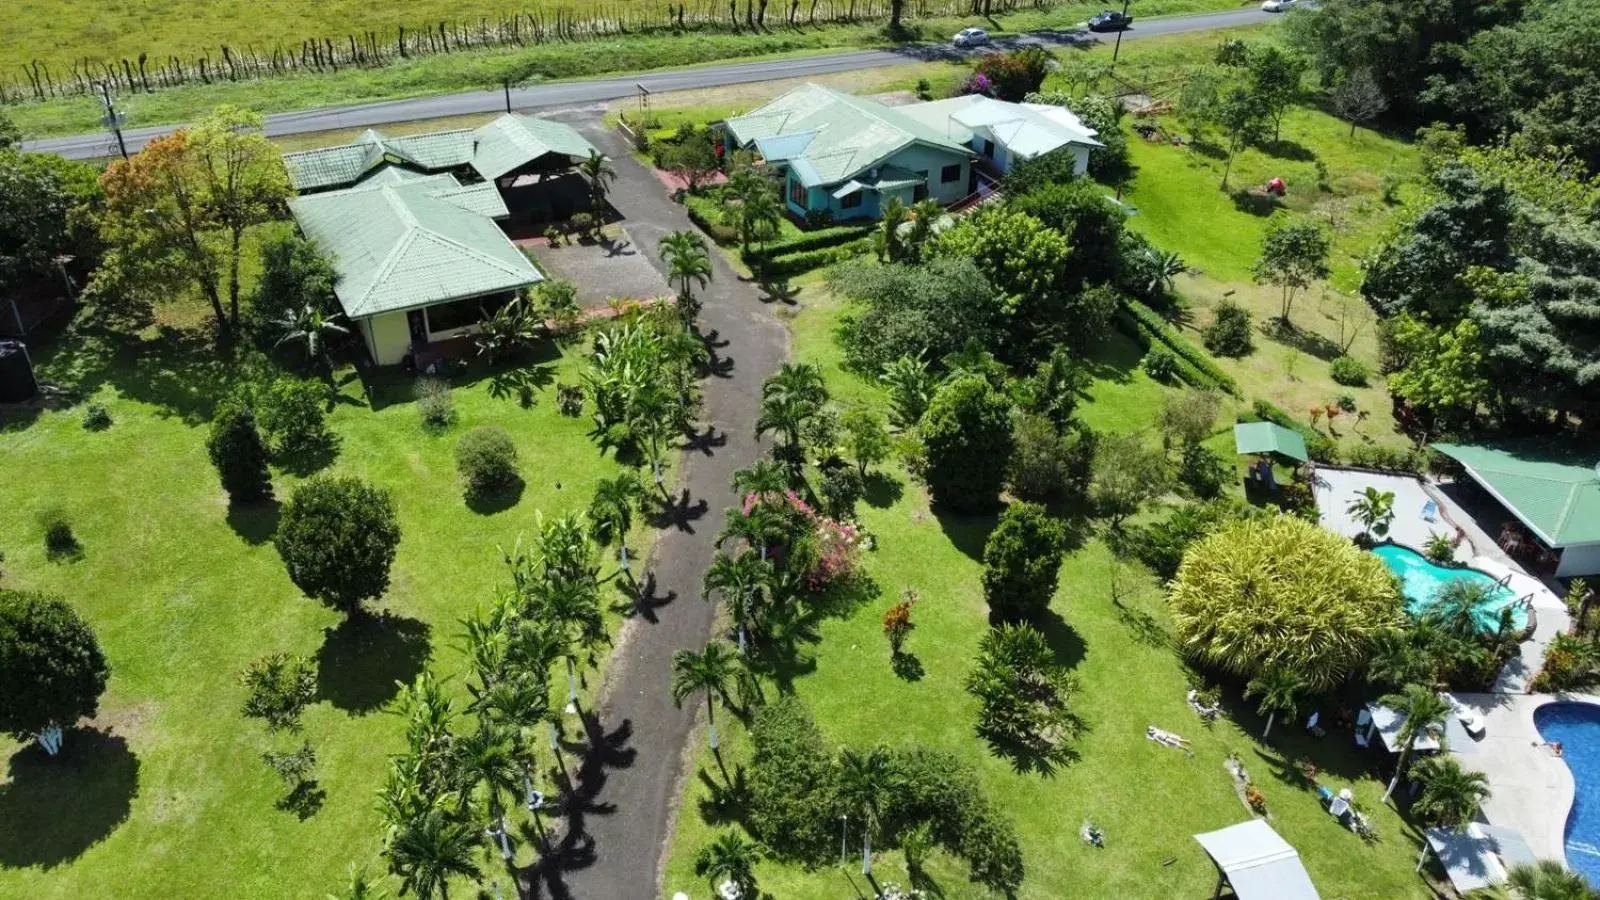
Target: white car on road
<point>971,37</point>
<point>1279,5</point>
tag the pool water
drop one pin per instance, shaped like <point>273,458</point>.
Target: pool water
<point>1421,581</point>
<point>1577,727</point>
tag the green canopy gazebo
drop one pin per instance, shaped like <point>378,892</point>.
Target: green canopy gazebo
<point>1264,438</point>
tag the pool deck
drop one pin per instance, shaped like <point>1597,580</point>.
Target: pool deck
<point>1532,788</point>
<point>1335,487</point>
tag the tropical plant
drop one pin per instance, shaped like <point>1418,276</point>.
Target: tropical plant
<point>730,858</point>
<point>864,781</point>
<point>712,671</point>
<point>688,263</point>
<point>744,581</point>
<point>509,329</point>
<point>598,170</point>
<point>866,437</point>
<point>1231,332</point>
<point>281,687</point>
<point>1022,561</point>
<point>891,217</point>
<point>1423,713</point>
<point>612,509</point>
<point>756,210</point>
<point>1281,591</point>
<point>763,478</point>
<point>1165,267</point>
<point>911,386</point>
<point>1025,696</point>
<point>1278,690</point>
<point>52,671</point>
<point>789,399</point>
<point>1374,509</point>
<point>1451,795</point>
<point>897,624</point>
<point>1546,879</point>
<point>309,325</point>
<point>486,766</point>
<point>430,848</point>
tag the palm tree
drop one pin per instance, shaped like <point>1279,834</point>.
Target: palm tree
<point>1547,879</point>
<point>711,671</point>
<point>729,858</point>
<point>359,887</point>
<point>597,168</point>
<point>1374,509</point>
<point>741,580</point>
<point>1455,608</point>
<point>611,512</point>
<point>688,263</point>
<point>925,214</point>
<point>1164,271</point>
<point>1424,711</point>
<point>571,611</point>
<point>1279,690</point>
<point>429,848</point>
<point>307,326</point>
<point>863,780</point>
<point>485,763</point>
<point>764,478</point>
<point>756,212</point>
<point>1396,659</point>
<point>1451,796</point>
<point>789,398</point>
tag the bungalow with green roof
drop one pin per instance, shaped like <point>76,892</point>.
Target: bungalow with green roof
<point>1555,495</point>
<point>413,224</point>
<point>846,156</point>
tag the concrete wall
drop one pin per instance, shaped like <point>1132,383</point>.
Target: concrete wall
<point>1582,559</point>
<point>388,337</point>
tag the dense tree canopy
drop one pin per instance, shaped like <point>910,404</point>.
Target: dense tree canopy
<point>967,433</point>
<point>1282,592</point>
<point>45,202</point>
<point>51,669</point>
<point>929,310</point>
<point>338,536</point>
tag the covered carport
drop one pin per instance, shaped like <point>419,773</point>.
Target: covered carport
<point>533,162</point>
<point>1256,863</point>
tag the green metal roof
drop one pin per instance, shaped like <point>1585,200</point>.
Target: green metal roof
<point>399,246</point>
<point>312,170</point>
<point>844,135</point>
<point>512,141</point>
<point>1265,437</point>
<point>1555,493</point>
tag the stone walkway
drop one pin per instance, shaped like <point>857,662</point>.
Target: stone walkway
<point>616,833</point>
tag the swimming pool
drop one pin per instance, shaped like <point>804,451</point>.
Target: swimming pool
<point>1577,727</point>
<point>1421,582</point>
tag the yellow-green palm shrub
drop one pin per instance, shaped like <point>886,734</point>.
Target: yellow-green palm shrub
<point>1282,592</point>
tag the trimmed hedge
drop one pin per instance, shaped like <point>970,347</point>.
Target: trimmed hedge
<point>1150,321</point>
<point>816,240</point>
<point>1146,338</point>
<point>703,212</point>
<point>798,263</point>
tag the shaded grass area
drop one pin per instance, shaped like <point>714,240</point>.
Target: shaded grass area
<point>55,32</point>
<point>1148,799</point>
<point>165,791</point>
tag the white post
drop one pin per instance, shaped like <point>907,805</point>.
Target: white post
<point>572,688</point>
<point>555,739</point>
<point>1270,716</point>
<point>713,735</point>
<point>50,739</point>
<point>866,851</point>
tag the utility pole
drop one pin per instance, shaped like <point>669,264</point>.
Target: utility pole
<point>112,118</point>
<point>1118,49</point>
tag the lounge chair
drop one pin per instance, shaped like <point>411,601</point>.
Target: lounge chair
<point>1363,720</point>
<point>1205,712</point>
<point>1168,739</point>
<point>1340,807</point>
<point>1430,511</point>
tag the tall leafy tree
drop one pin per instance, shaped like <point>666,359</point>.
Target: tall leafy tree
<point>1022,561</point>
<point>52,671</point>
<point>1293,255</point>
<point>45,206</point>
<point>177,211</point>
<point>1128,473</point>
<point>688,264</point>
<point>967,433</point>
<point>239,454</point>
<point>866,437</point>
<point>338,536</point>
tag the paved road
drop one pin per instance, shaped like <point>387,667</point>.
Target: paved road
<point>573,93</point>
<point>621,818</point>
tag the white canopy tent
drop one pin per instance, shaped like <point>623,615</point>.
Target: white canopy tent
<point>1257,863</point>
<point>1477,857</point>
<point>1386,723</point>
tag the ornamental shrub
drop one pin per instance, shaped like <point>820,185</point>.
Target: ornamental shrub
<point>96,417</point>
<point>337,537</point>
<point>1021,562</point>
<point>239,453</point>
<point>293,416</point>
<point>487,460</point>
<point>435,404</point>
<point>1231,332</point>
<point>1160,364</point>
<point>794,791</point>
<point>966,434</point>
<point>1048,466</point>
<point>52,671</point>
<point>1348,371</point>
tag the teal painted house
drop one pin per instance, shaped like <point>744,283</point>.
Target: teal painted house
<point>847,155</point>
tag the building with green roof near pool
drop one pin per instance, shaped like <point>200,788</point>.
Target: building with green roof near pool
<point>1555,493</point>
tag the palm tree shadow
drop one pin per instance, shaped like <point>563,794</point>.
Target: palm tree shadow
<point>907,667</point>
<point>725,802</point>
<point>363,660</point>
<point>52,809</point>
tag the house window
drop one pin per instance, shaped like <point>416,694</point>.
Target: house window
<point>797,194</point>
<point>920,192</point>
<point>988,149</point>
<point>950,173</point>
<point>459,314</point>
<point>850,201</point>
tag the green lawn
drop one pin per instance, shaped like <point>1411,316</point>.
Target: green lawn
<point>171,799</point>
<point>63,31</point>
<point>1148,799</point>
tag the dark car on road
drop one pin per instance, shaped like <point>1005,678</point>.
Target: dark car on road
<point>1110,20</point>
